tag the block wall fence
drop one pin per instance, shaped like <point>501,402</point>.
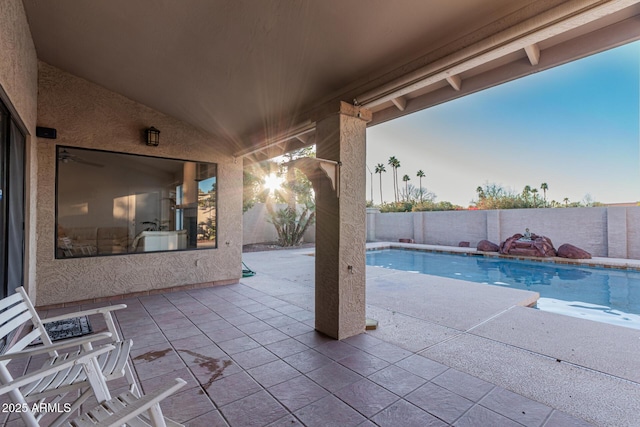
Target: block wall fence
<point>603,231</point>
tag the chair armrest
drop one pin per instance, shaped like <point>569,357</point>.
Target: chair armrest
<point>106,310</point>
<point>134,406</point>
<point>41,349</point>
<point>83,358</point>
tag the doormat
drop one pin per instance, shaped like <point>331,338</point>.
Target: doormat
<point>67,328</point>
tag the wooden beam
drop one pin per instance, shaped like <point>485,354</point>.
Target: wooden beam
<point>455,81</point>
<point>553,22</point>
<point>294,133</point>
<point>400,102</point>
<point>533,53</point>
<point>598,41</point>
<point>303,138</point>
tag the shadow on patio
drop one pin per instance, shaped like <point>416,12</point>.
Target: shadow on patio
<point>251,358</point>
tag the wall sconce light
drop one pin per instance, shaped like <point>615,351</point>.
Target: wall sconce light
<point>153,136</point>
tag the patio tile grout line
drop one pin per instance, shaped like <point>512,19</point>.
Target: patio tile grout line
<point>263,388</point>
<point>291,413</point>
<point>204,392</point>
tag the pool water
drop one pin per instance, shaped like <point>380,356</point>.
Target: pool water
<point>604,295</point>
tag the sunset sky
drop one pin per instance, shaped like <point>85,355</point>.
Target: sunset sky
<point>575,127</point>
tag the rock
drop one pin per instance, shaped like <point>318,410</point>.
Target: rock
<point>463,244</point>
<point>535,246</point>
<point>487,246</point>
<point>569,251</point>
<point>406,241</point>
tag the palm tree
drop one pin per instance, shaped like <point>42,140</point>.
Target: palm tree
<point>420,175</point>
<point>525,193</point>
<point>406,180</point>
<point>395,164</point>
<point>380,169</point>
<point>566,202</point>
<point>534,191</point>
<point>480,192</point>
<point>544,187</point>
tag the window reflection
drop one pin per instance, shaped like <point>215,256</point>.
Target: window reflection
<point>113,203</point>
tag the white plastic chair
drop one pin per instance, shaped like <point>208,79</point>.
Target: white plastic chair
<point>125,409</point>
<point>18,314</point>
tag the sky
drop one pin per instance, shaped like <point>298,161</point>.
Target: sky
<point>575,127</point>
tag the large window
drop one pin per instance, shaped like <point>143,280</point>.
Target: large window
<point>113,203</point>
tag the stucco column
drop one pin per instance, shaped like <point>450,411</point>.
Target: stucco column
<point>341,224</point>
<point>371,223</point>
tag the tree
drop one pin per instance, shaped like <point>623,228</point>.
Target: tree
<point>566,202</point>
<point>420,175</point>
<point>395,164</point>
<point>406,180</point>
<point>293,221</point>
<point>544,187</point>
<point>494,196</point>
<point>534,191</point>
<point>588,201</point>
<point>253,184</point>
<point>380,169</point>
<point>526,191</point>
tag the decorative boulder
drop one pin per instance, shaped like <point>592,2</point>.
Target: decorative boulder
<point>487,246</point>
<point>464,244</point>
<point>569,251</point>
<point>534,246</point>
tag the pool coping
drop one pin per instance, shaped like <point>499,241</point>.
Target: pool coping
<point>597,262</point>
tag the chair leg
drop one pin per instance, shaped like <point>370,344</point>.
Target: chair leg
<point>97,381</point>
<point>27,416</point>
<point>75,406</point>
<point>134,388</point>
<point>156,417</point>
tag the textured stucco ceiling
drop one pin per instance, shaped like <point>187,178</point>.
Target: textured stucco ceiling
<point>237,67</point>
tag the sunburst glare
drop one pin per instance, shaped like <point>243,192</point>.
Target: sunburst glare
<point>273,182</point>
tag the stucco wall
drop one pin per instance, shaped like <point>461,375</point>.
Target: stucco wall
<point>18,62</point>
<point>255,227</point>
<point>633,232</point>
<point>19,91</point>
<point>394,225</point>
<point>608,232</point>
<point>452,227</point>
<point>87,115</point>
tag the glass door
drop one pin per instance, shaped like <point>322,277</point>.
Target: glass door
<point>12,148</point>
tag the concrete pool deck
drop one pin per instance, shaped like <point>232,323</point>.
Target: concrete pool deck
<point>587,369</point>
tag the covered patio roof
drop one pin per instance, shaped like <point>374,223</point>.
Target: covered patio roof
<point>258,74</point>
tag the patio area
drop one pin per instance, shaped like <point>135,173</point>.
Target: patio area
<point>251,356</point>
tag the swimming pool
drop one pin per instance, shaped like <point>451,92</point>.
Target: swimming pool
<point>604,295</point>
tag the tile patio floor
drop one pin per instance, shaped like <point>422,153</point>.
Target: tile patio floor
<point>252,359</point>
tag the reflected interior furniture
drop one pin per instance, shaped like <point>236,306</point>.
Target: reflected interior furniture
<point>68,248</point>
<point>90,241</point>
<point>150,241</point>
<point>112,240</point>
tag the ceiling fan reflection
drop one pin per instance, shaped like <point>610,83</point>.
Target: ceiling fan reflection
<point>65,157</point>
